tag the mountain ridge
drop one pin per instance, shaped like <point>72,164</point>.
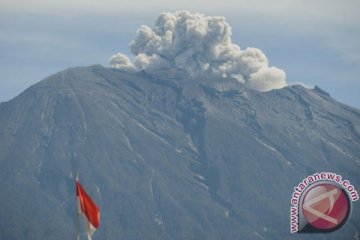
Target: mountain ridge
<point>166,156</point>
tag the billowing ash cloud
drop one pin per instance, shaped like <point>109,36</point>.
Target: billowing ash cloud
<point>201,46</point>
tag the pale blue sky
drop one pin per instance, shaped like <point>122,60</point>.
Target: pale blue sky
<point>316,42</point>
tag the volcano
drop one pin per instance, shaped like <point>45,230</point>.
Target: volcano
<point>168,156</point>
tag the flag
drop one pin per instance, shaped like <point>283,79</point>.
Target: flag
<point>88,208</point>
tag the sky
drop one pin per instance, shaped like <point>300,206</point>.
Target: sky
<point>315,42</point>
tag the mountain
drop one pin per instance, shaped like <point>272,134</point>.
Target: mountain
<point>166,156</point>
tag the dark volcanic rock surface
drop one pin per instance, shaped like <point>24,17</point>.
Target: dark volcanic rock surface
<point>168,157</point>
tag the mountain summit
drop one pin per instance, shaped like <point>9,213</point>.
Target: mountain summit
<point>167,156</point>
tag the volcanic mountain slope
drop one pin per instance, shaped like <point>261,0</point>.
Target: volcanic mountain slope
<point>166,156</point>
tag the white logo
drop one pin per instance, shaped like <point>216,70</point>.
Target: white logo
<point>330,195</point>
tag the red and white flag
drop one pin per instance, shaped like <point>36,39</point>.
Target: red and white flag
<point>88,208</point>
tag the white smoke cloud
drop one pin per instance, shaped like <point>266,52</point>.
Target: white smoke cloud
<point>201,46</point>
<point>122,61</point>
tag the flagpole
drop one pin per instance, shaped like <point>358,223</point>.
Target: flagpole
<point>77,211</point>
